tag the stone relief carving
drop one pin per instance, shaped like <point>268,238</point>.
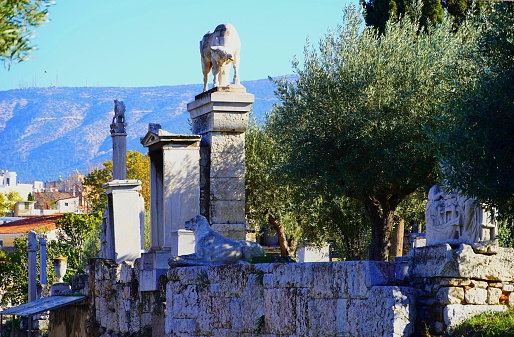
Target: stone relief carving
<point>212,248</point>
<point>218,49</point>
<point>118,121</point>
<point>455,218</point>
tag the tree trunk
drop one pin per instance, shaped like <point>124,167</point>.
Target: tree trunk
<point>282,239</point>
<point>381,216</point>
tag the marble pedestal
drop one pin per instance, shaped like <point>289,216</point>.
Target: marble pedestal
<point>220,116</point>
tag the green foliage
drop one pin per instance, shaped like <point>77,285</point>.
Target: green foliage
<point>488,325</point>
<point>477,141</point>
<point>14,271</point>
<point>138,167</point>
<point>7,202</point>
<point>30,197</point>
<point>378,13</point>
<point>505,234</point>
<point>264,192</point>
<point>351,125</point>
<point>78,240</point>
<point>18,18</point>
<point>315,222</point>
<point>95,193</point>
<point>202,280</point>
<point>259,325</point>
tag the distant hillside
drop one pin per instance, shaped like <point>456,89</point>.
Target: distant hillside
<point>49,132</point>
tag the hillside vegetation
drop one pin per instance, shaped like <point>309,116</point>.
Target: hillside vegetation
<point>50,132</point>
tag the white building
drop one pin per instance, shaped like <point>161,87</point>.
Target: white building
<point>8,183</point>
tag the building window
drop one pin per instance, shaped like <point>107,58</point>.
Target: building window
<point>66,204</point>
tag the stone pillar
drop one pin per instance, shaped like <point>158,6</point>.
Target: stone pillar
<point>220,116</point>
<point>119,142</point>
<point>124,233</point>
<point>174,188</point>
<point>32,272</point>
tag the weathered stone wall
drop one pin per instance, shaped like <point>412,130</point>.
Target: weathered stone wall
<point>297,299</point>
<point>117,307</point>
<point>455,284</point>
<point>441,287</point>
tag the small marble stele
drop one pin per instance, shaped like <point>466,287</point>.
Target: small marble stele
<point>454,218</point>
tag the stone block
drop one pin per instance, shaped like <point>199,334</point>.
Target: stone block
<point>221,316</point>
<point>204,320</point>
<point>252,302</point>
<point>126,272</point>
<point>511,299</point>
<point>184,327</point>
<point>463,262</point>
<point>227,212</point>
<point>454,282</point>
<point>392,309</point>
<point>493,295</point>
<point>362,275</point>
<point>450,295</point>
<point>342,323</point>
<point>187,275</point>
<point>289,275</point>
<point>322,317</point>
<point>232,188</point>
<point>185,304</point>
<point>508,287</point>
<point>229,280</point>
<point>479,284</point>
<point>323,280</point>
<point>475,296</point>
<point>279,311</point>
<point>455,314</point>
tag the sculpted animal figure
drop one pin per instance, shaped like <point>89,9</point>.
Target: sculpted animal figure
<point>213,248</point>
<point>217,49</point>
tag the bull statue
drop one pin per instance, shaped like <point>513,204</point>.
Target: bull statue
<point>217,49</point>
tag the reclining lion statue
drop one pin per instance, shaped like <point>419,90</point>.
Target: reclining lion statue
<point>217,49</point>
<point>212,248</point>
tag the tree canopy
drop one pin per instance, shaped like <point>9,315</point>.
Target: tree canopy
<point>352,123</point>
<point>138,167</point>
<point>18,18</point>
<point>7,202</point>
<point>477,142</point>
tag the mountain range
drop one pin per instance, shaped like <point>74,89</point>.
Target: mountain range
<point>49,133</point>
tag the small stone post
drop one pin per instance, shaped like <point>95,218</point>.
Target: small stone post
<point>32,248</point>
<point>220,116</point>
<point>32,272</point>
<point>42,258</point>
<point>399,238</point>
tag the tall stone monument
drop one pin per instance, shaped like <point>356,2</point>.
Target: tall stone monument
<point>220,116</point>
<point>174,199</point>
<point>122,237</point>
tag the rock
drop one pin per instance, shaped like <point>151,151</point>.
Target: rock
<point>455,314</point>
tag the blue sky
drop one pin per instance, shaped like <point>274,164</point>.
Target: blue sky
<point>132,43</point>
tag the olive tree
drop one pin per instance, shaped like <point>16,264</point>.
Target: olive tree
<point>477,146</point>
<point>17,20</point>
<point>353,122</point>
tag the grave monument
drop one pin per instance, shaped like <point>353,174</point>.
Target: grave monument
<point>454,218</point>
<point>122,236</point>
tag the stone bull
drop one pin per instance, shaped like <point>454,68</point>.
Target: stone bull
<point>218,48</point>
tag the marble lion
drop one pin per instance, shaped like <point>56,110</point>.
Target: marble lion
<point>212,248</point>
